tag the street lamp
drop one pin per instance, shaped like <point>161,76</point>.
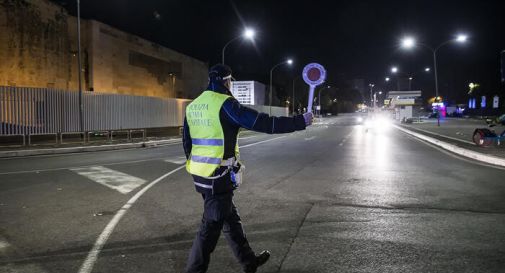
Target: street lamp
<point>460,38</point>
<point>371,85</point>
<point>387,79</point>
<point>288,62</point>
<point>248,34</point>
<point>375,98</point>
<point>427,69</point>
<point>410,42</point>
<point>394,70</point>
<point>79,70</point>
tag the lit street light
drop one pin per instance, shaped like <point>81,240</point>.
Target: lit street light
<point>288,62</point>
<point>410,42</point>
<point>410,76</point>
<point>387,79</point>
<point>394,70</point>
<point>248,34</point>
<point>461,38</point>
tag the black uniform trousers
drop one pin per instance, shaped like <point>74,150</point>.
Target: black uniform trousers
<point>219,214</point>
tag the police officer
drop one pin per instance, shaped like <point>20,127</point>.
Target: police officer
<point>210,134</point>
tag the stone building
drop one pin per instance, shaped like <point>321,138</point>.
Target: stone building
<point>38,48</point>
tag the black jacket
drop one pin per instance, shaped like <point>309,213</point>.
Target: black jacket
<point>234,116</point>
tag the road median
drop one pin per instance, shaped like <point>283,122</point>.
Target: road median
<point>467,153</point>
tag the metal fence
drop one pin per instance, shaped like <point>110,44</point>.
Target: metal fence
<point>30,111</point>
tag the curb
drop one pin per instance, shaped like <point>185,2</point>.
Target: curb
<point>109,147</point>
<point>489,159</point>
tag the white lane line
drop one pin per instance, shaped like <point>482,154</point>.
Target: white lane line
<point>90,260</point>
<point>3,245</point>
<point>345,138</point>
<point>121,182</point>
<point>256,143</point>
<point>247,137</point>
<point>176,160</point>
<point>309,138</point>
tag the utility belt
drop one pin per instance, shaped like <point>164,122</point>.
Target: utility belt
<point>234,168</point>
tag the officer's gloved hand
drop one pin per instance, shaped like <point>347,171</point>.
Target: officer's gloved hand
<point>309,118</point>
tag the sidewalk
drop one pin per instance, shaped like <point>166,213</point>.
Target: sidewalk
<point>78,147</point>
<point>458,132</point>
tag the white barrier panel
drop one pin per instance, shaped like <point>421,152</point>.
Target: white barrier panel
<point>25,111</point>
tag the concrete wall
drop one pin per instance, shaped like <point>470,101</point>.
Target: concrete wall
<point>126,64</point>
<point>35,47</point>
<point>38,48</point>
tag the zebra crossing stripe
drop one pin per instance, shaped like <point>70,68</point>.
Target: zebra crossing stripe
<point>176,160</point>
<point>121,182</point>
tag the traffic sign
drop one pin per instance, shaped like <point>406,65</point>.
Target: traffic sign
<point>313,74</point>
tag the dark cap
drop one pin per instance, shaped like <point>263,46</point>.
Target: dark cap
<point>220,72</point>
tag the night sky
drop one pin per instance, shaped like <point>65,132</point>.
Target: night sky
<point>353,39</point>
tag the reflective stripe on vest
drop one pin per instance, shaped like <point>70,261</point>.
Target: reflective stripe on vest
<point>206,132</point>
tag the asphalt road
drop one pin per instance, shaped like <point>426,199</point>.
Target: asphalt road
<point>330,199</point>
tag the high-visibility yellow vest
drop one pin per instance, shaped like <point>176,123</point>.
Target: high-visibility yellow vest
<point>207,135</point>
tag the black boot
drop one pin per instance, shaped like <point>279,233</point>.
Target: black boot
<point>260,260</point>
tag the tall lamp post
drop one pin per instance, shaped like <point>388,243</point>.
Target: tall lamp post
<point>410,42</point>
<point>247,34</point>
<point>410,76</point>
<point>79,69</point>
<point>371,85</point>
<point>293,106</point>
<point>394,70</point>
<point>288,62</point>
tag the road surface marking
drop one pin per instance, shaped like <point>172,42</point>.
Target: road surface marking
<point>247,137</point>
<point>3,245</point>
<point>310,138</point>
<point>345,138</point>
<point>89,262</point>
<point>115,180</point>
<point>256,143</point>
<point>176,160</point>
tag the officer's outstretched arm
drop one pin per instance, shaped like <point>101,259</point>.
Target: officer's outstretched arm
<point>260,122</point>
